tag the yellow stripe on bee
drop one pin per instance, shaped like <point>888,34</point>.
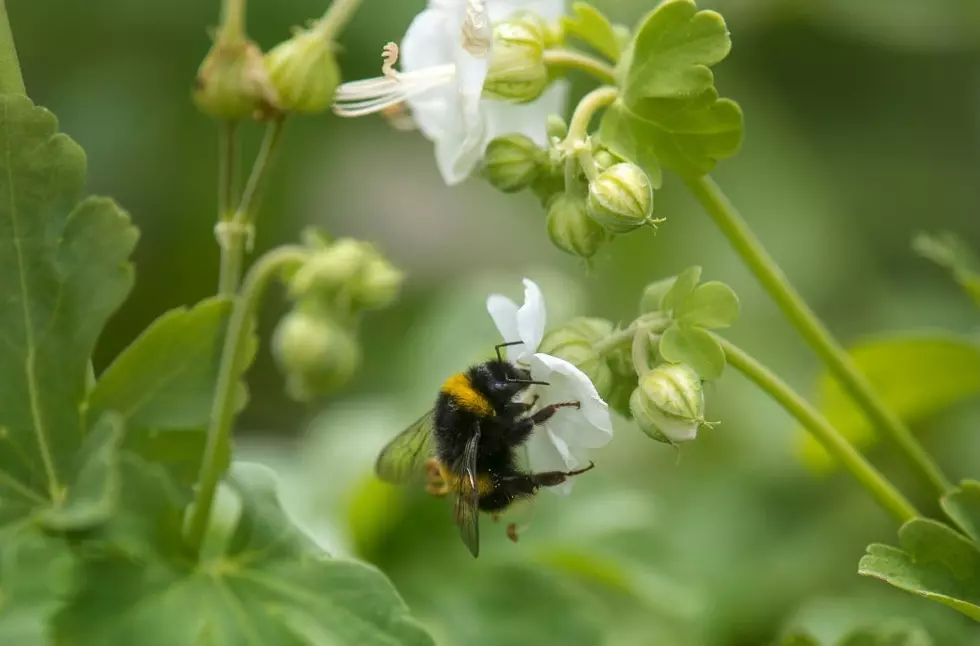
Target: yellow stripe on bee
<point>466,397</point>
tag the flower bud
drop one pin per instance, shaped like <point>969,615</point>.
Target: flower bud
<point>517,70</point>
<point>574,343</point>
<point>315,353</point>
<point>232,82</point>
<point>548,185</point>
<point>511,163</point>
<point>304,72</point>
<point>378,285</point>
<point>668,403</point>
<point>571,228</point>
<point>556,128</point>
<point>352,271</point>
<point>621,198</point>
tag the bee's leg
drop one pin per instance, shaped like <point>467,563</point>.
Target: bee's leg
<point>519,431</point>
<point>528,483</point>
<point>519,408</point>
<point>435,479</point>
<point>512,532</point>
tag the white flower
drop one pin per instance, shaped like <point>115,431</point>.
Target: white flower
<point>445,60</point>
<point>561,443</point>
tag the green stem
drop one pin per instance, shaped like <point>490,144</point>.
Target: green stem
<point>812,330</point>
<point>621,339</point>
<point>233,355</point>
<point>11,81</point>
<point>336,17</point>
<point>568,59</point>
<point>232,21</point>
<point>578,130</point>
<point>226,169</point>
<point>836,444</point>
<point>235,232</point>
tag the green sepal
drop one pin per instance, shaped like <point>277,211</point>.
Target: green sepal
<point>711,305</point>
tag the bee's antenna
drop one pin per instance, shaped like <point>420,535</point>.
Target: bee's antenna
<point>505,345</point>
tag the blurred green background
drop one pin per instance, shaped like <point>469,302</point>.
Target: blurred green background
<point>862,127</point>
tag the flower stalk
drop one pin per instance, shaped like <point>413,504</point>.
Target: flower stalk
<point>232,357</point>
<point>578,127</point>
<point>813,331</point>
<point>873,480</point>
<point>568,59</point>
<point>11,80</point>
<point>336,17</point>
<point>235,231</point>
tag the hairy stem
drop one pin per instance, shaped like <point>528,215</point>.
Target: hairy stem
<point>568,59</point>
<point>812,330</point>
<point>836,444</point>
<point>336,18</point>
<point>233,354</point>
<point>235,232</point>
<point>11,81</point>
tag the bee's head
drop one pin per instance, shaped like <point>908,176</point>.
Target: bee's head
<point>507,380</point>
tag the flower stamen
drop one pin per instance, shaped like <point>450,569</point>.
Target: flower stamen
<point>390,56</point>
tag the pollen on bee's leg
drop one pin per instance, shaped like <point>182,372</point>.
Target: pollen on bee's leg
<point>398,117</point>
<point>512,532</point>
<point>495,516</point>
<point>435,484</point>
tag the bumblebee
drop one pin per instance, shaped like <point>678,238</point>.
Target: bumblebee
<point>466,446</point>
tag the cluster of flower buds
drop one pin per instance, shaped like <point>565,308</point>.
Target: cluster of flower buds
<point>235,81</point>
<point>316,343</point>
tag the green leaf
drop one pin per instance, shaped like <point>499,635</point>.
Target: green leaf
<point>890,633</point>
<point>94,492</point>
<point>165,379</point>
<point>672,51</point>
<point>163,385</point>
<point>618,134</point>
<point>711,305</point>
<point>695,347</point>
<point>949,251</point>
<point>798,639</point>
<point>935,562</point>
<point>64,265</point>
<point>654,294</point>
<point>271,585</point>
<point>916,376</point>
<point>687,135</point>
<point>683,287</point>
<point>36,573</point>
<point>588,24</point>
<point>962,505</point>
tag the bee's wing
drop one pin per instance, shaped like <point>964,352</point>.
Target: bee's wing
<point>466,508</point>
<point>401,460</point>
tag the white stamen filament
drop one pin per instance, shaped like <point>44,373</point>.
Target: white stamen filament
<point>368,96</point>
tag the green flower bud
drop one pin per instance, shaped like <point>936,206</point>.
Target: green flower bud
<point>621,198</point>
<point>548,185</point>
<point>668,403</point>
<point>511,163</point>
<point>232,82</point>
<point>304,71</point>
<point>351,273</point>
<point>557,128</point>
<point>378,285</point>
<point>517,70</point>
<point>574,341</point>
<point>315,353</point>
<point>571,228</point>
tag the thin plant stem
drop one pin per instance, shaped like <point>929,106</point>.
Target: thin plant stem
<point>216,449</point>
<point>236,232</point>
<point>232,21</point>
<point>813,331</point>
<point>883,491</point>
<point>574,144</point>
<point>336,17</point>
<point>227,135</point>
<point>11,80</point>
<point>568,59</point>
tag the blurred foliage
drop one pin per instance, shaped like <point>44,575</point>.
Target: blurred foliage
<point>861,123</point>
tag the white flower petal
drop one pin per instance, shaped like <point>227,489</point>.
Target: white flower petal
<point>529,119</point>
<point>591,425</point>
<point>503,311</point>
<point>459,147</point>
<point>531,317</point>
<point>428,44</point>
<point>547,452</point>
